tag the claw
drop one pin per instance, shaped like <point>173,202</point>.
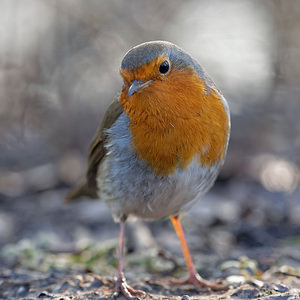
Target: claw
<point>199,282</point>
<point>126,290</point>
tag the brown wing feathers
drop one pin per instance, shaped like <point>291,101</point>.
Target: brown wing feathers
<point>88,187</point>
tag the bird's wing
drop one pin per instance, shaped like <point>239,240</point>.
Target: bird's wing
<point>88,187</point>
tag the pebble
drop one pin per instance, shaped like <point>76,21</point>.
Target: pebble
<point>280,288</point>
<point>236,279</point>
<point>43,294</point>
<point>21,290</point>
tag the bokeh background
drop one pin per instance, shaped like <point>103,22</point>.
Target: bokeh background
<point>59,70</point>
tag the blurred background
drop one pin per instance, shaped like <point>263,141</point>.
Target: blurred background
<point>59,70</point>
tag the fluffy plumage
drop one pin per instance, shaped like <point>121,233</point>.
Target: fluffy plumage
<point>160,146</point>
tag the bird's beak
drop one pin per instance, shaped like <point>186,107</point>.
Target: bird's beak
<point>137,85</point>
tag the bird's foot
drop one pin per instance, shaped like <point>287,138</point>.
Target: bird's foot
<point>199,283</point>
<point>126,290</point>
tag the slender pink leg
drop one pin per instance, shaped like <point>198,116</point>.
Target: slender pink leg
<point>194,277</point>
<point>121,284</point>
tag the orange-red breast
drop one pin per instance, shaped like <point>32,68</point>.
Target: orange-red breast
<point>161,144</point>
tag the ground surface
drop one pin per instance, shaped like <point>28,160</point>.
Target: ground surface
<point>34,285</point>
<point>55,251</point>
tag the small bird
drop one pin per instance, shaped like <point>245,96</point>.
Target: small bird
<point>160,146</point>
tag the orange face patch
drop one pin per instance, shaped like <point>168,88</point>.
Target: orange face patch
<point>145,72</point>
<point>174,119</point>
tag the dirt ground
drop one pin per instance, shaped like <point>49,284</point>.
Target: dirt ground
<point>26,284</point>
<point>59,251</point>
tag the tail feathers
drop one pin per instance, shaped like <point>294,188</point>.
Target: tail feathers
<point>81,190</point>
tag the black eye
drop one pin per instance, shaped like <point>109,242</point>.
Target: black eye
<point>164,67</point>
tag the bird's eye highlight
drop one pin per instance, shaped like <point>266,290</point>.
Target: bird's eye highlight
<point>164,67</point>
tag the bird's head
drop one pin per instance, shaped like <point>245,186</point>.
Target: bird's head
<point>161,73</point>
<point>170,100</point>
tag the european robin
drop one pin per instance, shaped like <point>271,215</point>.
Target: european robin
<point>160,146</point>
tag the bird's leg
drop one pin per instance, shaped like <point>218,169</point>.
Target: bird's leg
<point>194,277</point>
<point>121,284</point>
